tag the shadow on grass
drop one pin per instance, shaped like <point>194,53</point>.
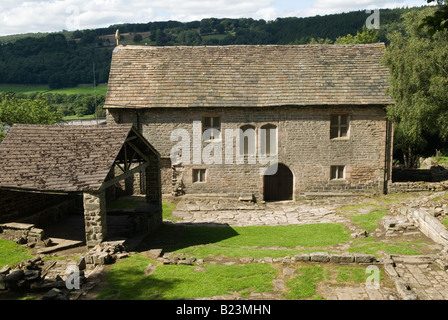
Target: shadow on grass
<point>126,281</point>
<point>172,237</point>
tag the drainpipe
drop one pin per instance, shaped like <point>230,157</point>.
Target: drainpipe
<point>388,154</point>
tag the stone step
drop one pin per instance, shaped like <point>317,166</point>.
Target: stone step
<point>60,244</point>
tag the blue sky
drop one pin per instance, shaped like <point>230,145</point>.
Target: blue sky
<point>18,16</point>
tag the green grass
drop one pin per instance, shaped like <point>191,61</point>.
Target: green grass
<point>255,241</point>
<point>442,159</point>
<point>358,206</point>
<point>304,285</point>
<point>369,221</point>
<point>27,89</point>
<point>375,248</point>
<point>74,117</point>
<point>214,36</point>
<point>445,222</point>
<point>311,235</point>
<point>352,274</point>
<point>204,251</point>
<point>126,280</point>
<point>167,210</point>
<point>12,253</point>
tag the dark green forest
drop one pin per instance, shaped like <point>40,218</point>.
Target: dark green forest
<point>67,59</point>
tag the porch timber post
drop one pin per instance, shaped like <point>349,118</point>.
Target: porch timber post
<point>95,217</point>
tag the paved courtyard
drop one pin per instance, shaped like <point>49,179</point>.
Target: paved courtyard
<point>237,213</point>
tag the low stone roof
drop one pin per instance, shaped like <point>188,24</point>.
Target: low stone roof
<point>247,76</point>
<point>60,158</point>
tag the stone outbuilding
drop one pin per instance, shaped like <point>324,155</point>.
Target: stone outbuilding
<point>43,166</point>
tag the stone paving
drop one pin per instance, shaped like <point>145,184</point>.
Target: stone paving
<point>236,213</point>
<point>426,280</point>
<point>360,292</point>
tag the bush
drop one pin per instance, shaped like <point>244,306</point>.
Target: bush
<point>138,38</point>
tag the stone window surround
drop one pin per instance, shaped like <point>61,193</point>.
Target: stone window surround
<point>199,175</point>
<point>335,172</point>
<point>257,128</point>
<point>339,126</point>
<point>212,126</point>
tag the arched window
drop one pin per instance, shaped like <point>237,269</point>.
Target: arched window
<point>268,140</point>
<point>247,140</point>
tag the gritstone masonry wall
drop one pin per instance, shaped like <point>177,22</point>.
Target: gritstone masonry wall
<point>304,145</point>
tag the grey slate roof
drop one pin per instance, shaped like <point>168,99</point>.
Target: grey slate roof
<point>59,158</point>
<point>247,76</point>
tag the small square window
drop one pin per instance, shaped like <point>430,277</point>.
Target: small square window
<point>337,172</point>
<point>199,175</point>
<point>339,124</point>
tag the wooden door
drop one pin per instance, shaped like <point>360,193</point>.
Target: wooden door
<point>279,186</point>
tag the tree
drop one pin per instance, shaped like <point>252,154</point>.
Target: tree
<point>26,111</point>
<point>160,38</point>
<point>320,41</point>
<point>138,38</point>
<point>418,66</point>
<point>366,36</point>
<point>438,21</point>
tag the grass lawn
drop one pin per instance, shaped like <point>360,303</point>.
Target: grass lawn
<point>167,210</point>
<point>311,235</point>
<point>27,89</point>
<point>376,248</point>
<point>75,117</point>
<point>126,280</point>
<point>12,253</point>
<point>255,241</point>
<point>369,221</point>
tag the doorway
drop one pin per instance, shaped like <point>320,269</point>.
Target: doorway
<point>278,186</point>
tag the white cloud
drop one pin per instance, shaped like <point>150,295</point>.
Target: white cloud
<point>55,15</point>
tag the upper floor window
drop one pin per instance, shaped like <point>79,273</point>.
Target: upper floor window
<point>339,124</point>
<point>268,142</point>
<point>247,140</point>
<point>211,128</point>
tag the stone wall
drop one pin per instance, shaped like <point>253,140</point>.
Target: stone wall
<point>304,145</point>
<point>416,186</point>
<point>427,223</point>
<point>23,233</point>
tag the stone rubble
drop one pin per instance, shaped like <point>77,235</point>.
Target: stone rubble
<point>36,276</point>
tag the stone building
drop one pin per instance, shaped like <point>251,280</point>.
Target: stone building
<point>47,171</point>
<point>267,122</point>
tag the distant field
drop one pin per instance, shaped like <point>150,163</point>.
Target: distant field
<point>27,89</point>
